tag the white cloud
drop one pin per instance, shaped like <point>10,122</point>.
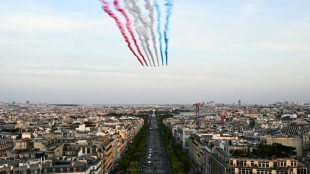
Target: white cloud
<point>287,46</point>
<point>32,23</point>
<point>253,6</point>
<point>7,41</point>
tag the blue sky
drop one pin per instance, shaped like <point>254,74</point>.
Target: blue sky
<point>69,51</point>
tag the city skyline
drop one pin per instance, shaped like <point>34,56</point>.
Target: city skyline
<point>236,103</point>
<point>71,52</point>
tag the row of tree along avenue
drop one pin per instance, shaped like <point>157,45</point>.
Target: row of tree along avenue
<point>131,160</point>
<point>177,158</point>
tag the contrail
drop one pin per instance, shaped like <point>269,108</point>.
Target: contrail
<point>144,46</point>
<point>150,8</point>
<point>135,11</point>
<point>169,5</point>
<point>145,34</point>
<point>128,26</point>
<point>159,32</point>
<point>105,7</point>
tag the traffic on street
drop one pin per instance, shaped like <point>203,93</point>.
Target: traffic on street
<point>154,158</point>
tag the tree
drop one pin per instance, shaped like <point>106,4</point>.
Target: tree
<point>137,156</point>
<point>177,158</point>
<point>276,150</point>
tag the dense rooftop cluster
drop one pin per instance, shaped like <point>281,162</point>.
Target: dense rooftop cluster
<point>243,138</point>
<point>66,138</point>
<point>237,138</point>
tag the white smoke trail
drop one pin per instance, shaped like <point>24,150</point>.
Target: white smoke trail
<point>141,26</point>
<point>150,8</point>
<point>144,47</point>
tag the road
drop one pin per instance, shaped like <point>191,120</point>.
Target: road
<point>154,159</point>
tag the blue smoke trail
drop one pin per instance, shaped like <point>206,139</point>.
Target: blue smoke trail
<point>159,32</point>
<point>169,5</point>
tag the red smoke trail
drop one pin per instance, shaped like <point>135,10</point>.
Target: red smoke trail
<point>105,7</point>
<point>128,26</point>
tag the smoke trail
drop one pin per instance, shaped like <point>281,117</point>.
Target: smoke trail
<point>128,26</point>
<point>105,7</point>
<point>145,34</point>
<point>144,30</point>
<point>150,8</point>
<point>137,28</point>
<point>135,11</point>
<point>169,5</point>
<point>159,32</point>
<point>144,46</point>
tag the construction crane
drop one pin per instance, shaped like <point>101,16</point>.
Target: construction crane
<point>198,105</point>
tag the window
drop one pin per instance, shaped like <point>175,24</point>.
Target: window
<point>263,172</point>
<point>275,164</point>
<point>244,163</point>
<point>245,171</point>
<point>301,171</point>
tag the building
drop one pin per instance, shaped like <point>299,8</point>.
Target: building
<point>182,135</point>
<point>5,146</point>
<point>288,141</point>
<point>265,166</point>
<point>222,163</point>
<point>22,144</point>
<point>198,152</point>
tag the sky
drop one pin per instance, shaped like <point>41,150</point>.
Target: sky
<point>57,51</point>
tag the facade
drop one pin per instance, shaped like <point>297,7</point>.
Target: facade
<point>198,153</point>
<point>221,163</point>
<point>22,144</point>
<point>296,129</point>
<point>5,147</point>
<point>287,141</point>
<point>265,166</point>
<point>182,135</point>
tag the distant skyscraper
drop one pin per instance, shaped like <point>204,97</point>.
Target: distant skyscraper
<point>27,102</point>
<point>239,102</point>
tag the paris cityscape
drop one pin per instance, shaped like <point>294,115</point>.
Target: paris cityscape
<point>204,137</point>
